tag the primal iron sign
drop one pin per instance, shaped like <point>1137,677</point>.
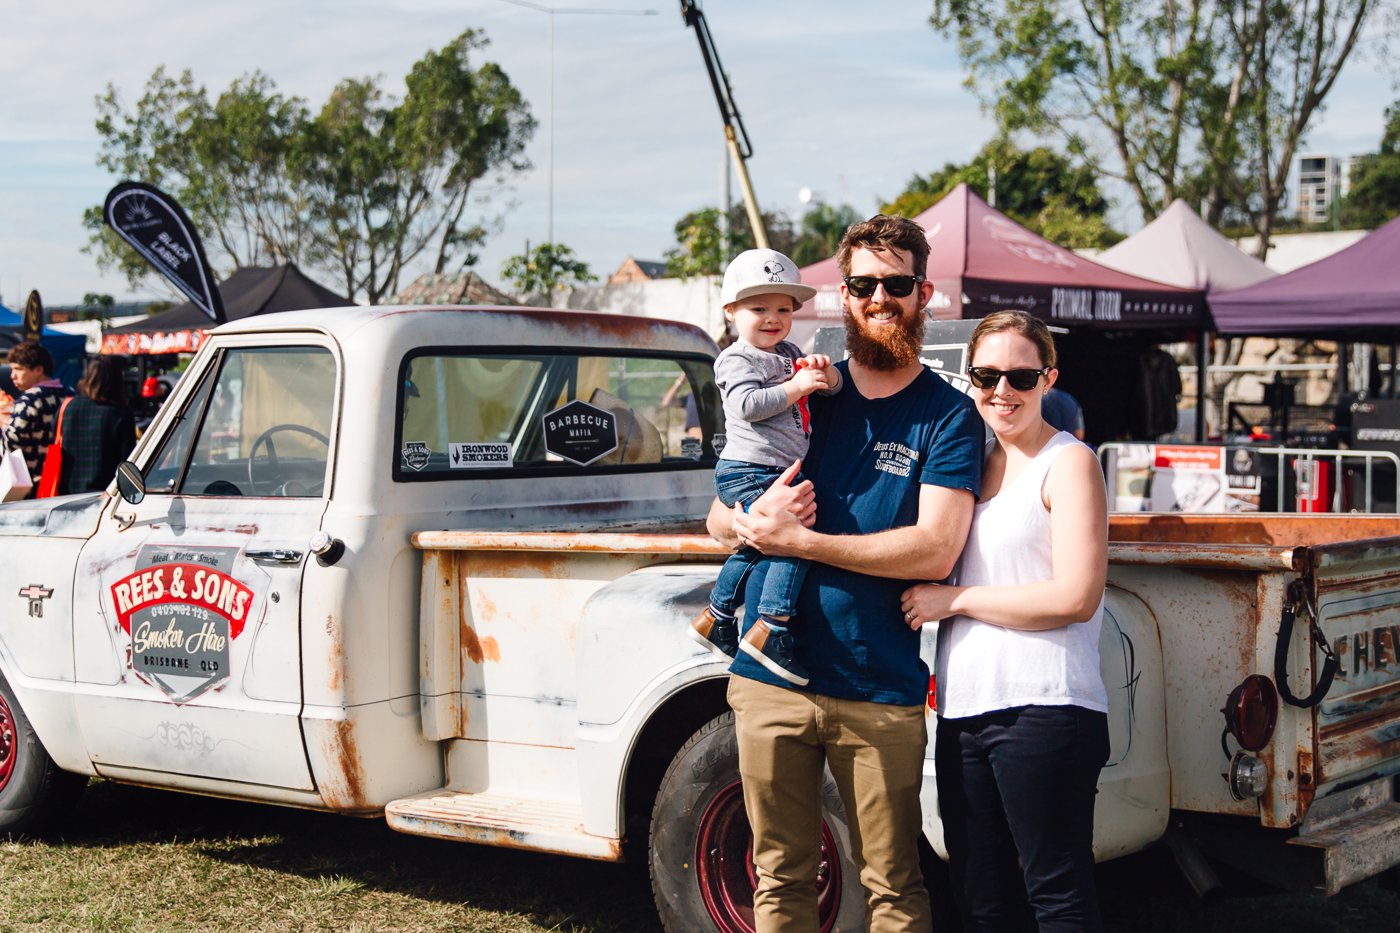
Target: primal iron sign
<point>155,226</point>
<point>183,612</point>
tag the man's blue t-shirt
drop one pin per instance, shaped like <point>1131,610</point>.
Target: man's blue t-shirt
<point>867,459</point>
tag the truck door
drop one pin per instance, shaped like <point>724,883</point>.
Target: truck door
<point>187,606</point>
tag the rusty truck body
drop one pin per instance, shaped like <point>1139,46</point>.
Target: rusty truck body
<point>435,564</point>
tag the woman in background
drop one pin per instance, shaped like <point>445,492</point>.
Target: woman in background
<point>98,429</point>
<point>1022,711</point>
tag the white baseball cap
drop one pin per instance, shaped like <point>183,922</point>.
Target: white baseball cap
<point>762,272</point>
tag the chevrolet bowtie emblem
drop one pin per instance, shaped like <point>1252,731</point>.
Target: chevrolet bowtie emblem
<point>36,595</point>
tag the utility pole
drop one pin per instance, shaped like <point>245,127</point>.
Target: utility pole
<point>736,138</point>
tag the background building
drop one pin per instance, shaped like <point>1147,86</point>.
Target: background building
<point>1323,180</point>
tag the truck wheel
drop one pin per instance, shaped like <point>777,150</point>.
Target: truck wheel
<point>701,853</point>
<point>34,793</point>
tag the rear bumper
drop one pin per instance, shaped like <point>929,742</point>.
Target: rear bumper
<point>1355,834</point>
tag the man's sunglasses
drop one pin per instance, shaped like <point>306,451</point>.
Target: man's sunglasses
<point>1022,380</point>
<point>896,286</point>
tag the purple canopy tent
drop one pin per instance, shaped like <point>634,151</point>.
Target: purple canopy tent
<point>1353,294</point>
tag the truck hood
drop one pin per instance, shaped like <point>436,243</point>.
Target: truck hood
<point>58,517</point>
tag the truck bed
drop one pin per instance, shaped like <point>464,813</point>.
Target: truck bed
<point>1284,530</point>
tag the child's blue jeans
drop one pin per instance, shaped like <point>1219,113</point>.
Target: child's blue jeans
<point>739,482</point>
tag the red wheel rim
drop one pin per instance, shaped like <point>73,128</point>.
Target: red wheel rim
<point>9,743</point>
<point>725,870</point>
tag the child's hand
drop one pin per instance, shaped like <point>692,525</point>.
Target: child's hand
<point>822,362</point>
<point>806,381</point>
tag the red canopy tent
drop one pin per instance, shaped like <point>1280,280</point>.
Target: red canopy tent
<point>982,261</point>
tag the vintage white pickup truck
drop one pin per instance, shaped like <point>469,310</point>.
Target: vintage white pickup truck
<point>435,564</point>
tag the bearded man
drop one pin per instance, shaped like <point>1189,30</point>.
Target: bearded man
<point>893,470</point>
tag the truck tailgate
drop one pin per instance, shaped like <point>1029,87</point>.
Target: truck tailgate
<point>1356,594</point>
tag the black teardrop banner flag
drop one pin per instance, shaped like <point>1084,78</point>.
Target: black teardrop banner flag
<point>32,325</point>
<point>152,222</point>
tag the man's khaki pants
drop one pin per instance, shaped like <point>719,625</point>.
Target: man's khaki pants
<point>875,752</point>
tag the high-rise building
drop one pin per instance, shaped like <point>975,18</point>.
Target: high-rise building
<point>1319,186</point>
<point>1323,181</point>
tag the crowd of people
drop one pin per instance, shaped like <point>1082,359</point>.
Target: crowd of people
<point>866,499</point>
<point>92,429</point>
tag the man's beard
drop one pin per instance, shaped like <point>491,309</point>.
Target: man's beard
<point>886,348</point>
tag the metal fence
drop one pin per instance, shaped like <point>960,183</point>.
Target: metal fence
<point>1356,480</point>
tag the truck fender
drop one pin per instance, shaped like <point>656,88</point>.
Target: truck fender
<point>640,674</point>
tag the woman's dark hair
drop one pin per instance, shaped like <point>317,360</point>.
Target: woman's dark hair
<point>103,381</point>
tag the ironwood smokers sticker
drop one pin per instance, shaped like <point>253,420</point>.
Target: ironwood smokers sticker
<point>183,611</point>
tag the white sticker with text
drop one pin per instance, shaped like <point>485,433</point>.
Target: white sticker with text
<point>478,456</point>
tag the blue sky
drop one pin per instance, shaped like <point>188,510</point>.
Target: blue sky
<point>849,100</point>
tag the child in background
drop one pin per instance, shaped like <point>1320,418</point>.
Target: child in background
<point>765,381</point>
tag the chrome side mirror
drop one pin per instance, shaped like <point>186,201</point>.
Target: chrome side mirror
<point>131,485</point>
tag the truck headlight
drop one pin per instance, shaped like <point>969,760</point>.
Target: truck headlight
<point>1249,777</point>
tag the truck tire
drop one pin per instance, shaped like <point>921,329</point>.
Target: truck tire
<point>702,874</point>
<point>34,793</point>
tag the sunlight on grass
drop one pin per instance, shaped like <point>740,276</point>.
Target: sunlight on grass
<point>335,886</point>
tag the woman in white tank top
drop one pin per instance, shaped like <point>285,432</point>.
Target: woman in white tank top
<point>1022,726</point>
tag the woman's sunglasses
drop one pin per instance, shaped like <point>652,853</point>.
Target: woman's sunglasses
<point>896,286</point>
<point>1022,380</point>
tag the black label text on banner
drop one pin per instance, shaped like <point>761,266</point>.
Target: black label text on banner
<point>155,226</point>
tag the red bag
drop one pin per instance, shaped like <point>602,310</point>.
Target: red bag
<point>53,460</point>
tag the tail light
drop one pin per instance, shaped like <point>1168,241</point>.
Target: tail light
<point>1252,711</point>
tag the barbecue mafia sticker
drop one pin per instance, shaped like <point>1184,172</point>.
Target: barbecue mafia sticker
<point>183,612</point>
<point>580,432</point>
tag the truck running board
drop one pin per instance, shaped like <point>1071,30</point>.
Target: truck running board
<point>497,820</point>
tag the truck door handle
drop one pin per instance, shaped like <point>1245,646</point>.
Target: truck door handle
<point>276,555</point>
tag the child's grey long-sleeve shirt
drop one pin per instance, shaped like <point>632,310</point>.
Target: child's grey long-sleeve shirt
<point>760,425</point>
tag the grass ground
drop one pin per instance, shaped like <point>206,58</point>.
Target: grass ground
<point>141,860</point>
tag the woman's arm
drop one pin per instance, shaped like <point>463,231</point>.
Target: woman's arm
<point>1078,503</point>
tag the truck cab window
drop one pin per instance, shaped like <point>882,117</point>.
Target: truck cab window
<point>461,411</point>
<point>258,425</point>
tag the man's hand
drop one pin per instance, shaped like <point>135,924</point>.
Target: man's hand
<point>776,520</point>
<point>799,501</point>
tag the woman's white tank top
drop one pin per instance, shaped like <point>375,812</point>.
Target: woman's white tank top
<point>982,667</point>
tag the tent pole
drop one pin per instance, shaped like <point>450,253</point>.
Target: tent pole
<point>1201,386</point>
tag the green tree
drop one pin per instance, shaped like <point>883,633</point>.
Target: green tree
<point>228,162</point>
<point>819,232</point>
<point>546,267</point>
<point>699,246</point>
<point>97,307</point>
<point>358,191</point>
<point>1204,99</point>
<point>1374,197</point>
<point>1039,188</point>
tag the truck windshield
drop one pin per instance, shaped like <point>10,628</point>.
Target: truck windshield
<point>552,412</point>
<point>259,424</point>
